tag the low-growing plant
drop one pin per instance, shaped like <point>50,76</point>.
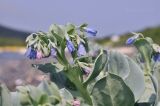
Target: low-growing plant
<point>82,75</point>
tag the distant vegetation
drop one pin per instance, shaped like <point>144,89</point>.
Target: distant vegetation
<point>154,33</point>
<point>11,37</point>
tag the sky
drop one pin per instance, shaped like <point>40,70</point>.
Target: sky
<point>107,16</point>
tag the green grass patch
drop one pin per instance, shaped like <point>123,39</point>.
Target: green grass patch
<point>154,33</point>
<point>9,41</point>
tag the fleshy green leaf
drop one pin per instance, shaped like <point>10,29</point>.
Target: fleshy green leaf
<point>66,96</point>
<point>5,97</point>
<point>24,96</point>
<point>43,99</point>
<point>112,91</point>
<point>57,32</point>
<point>99,65</point>
<point>46,68</point>
<point>149,95</point>
<point>155,84</point>
<point>145,50</point>
<point>50,88</point>
<point>135,80</point>
<point>56,74</point>
<point>129,71</point>
<point>118,64</point>
<point>83,25</point>
<point>70,28</point>
<point>15,99</point>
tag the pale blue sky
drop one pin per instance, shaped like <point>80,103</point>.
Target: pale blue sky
<point>107,16</point>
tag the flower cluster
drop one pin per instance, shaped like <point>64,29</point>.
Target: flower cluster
<point>81,49</point>
<point>71,48</point>
<point>36,50</point>
<point>32,53</point>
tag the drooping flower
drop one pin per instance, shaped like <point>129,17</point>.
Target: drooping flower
<point>90,31</point>
<point>156,57</point>
<point>39,55</point>
<point>130,41</point>
<point>31,53</point>
<point>53,52</point>
<point>70,46</point>
<point>81,50</point>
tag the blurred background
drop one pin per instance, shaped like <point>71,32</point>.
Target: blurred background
<point>113,19</point>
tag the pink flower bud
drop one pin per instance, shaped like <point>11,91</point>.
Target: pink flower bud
<point>76,103</point>
<point>39,55</point>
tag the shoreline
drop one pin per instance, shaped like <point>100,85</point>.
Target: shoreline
<point>13,49</point>
<point>22,49</point>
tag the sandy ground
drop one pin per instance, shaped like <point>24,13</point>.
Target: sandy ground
<point>16,69</point>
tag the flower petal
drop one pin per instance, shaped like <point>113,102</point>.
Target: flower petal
<point>130,41</point>
<point>31,53</point>
<point>156,57</point>
<point>70,46</point>
<point>53,52</point>
<point>90,31</point>
<point>81,50</point>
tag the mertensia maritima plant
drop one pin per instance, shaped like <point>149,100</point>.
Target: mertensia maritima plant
<point>84,74</point>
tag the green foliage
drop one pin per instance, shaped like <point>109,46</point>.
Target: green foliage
<point>9,41</point>
<point>145,49</point>
<point>112,91</point>
<point>129,71</point>
<point>105,78</point>
<point>46,94</point>
<point>99,64</point>
<point>5,99</point>
<point>112,77</point>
